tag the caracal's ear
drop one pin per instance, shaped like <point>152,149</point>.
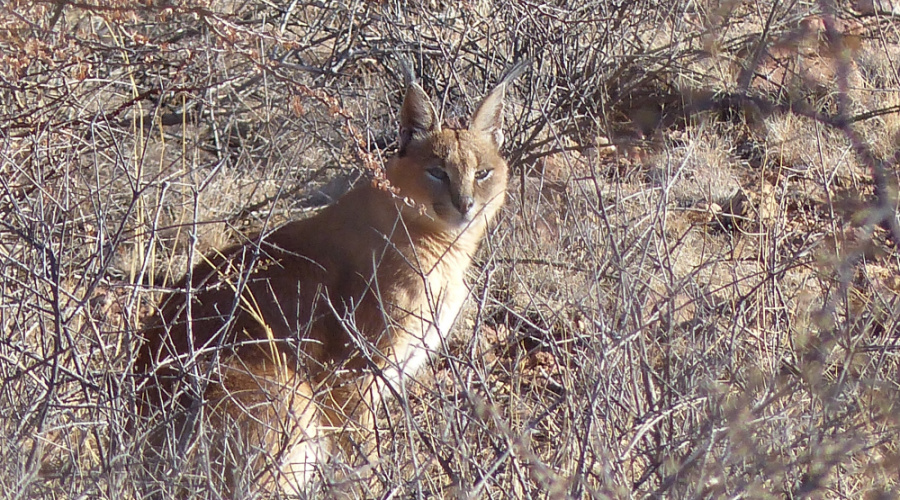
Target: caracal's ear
<point>417,116</point>
<point>488,119</point>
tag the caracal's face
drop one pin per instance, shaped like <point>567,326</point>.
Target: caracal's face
<point>455,175</point>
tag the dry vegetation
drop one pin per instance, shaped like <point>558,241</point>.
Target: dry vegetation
<point>693,293</point>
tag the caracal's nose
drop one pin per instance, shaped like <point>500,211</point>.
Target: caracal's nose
<point>464,204</point>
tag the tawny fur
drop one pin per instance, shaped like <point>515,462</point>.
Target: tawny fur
<point>332,312</point>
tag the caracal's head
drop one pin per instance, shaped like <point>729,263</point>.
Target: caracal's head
<point>455,177</point>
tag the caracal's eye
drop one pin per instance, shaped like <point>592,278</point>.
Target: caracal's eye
<point>437,173</point>
<point>483,174</point>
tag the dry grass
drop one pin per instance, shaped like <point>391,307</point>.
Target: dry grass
<point>710,308</point>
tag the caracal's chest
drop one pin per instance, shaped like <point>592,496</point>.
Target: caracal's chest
<point>431,318</point>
